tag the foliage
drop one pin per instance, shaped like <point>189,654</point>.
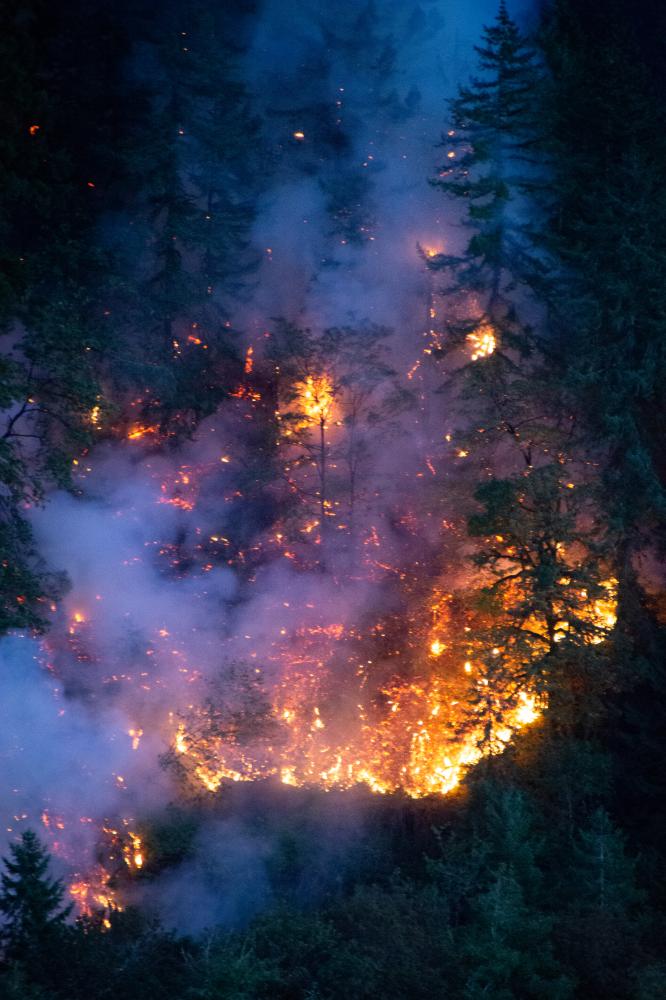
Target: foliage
<point>31,903</point>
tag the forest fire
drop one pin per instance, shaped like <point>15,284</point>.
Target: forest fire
<point>316,397</point>
<point>138,431</point>
<point>418,737</point>
<point>403,699</point>
<point>482,342</point>
<point>413,747</point>
<point>92,895</point>
<point>332,585</point>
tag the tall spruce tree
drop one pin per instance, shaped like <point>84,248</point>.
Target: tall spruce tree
<point>31,903</point>
<point>490,153</point>
<point>195,156</point>
<point>609,231</point>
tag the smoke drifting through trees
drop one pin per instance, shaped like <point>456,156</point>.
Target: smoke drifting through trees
<point>180,552</point>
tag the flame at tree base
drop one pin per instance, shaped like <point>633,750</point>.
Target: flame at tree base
<point>413,746</point>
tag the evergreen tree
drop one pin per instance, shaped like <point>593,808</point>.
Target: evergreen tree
<point>506,948</point>
<point>492,138</point>
<point>195,155</point>
<point>549,607</point>
<point>31,903</point>
<point>601,928</point>
<point>608,231</point>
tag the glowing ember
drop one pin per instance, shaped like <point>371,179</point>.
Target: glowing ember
<point>138,431</point>
<point>482,343</point>
<point>92,895</point>
<point>132,851</point>
<point>135,735</point>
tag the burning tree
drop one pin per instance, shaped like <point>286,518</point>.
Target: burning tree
<point>549,602</point>
<point>232,735</point>
<point>334,389</point>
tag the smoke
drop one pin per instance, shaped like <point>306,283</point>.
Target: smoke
<point>153,614</point>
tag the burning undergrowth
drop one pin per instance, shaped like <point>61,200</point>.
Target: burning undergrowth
<point>286,598</point>
<point>203,644</point>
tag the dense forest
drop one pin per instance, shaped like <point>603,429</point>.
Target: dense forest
<point>332,500</point>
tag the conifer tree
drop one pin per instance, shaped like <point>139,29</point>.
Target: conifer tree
<point>601,926</point>
<point>31,902</point>
<point>195,158</point>
<point>607,229</point>
<point>548,606</point>
<point>487,167</point>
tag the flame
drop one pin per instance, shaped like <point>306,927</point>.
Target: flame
<point>337,714</point>
<point>138,431</point>
<point>135,735</point>
<point>316,397</point>
<point>418,735</point>
<point>482,342</point>
<point>132,851</point>
<point>91,894</point>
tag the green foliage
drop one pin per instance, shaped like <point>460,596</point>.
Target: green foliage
<point>167,840</point>
<point>31,903</point>
<point>134,958</point>
<point>603,919</point>
<point>609,234</point>
<point>506,949</point>
<point>195,157</point>
<point>491,139</point>
<point>25,588</point>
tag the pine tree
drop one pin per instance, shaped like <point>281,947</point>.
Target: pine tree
<point>549,608</point>
<point>506,949</point>
<point>608,230</point>
<point>488,148</point>
<point>491,873</point>
<point>195,158</point>
<point>31,903</point>
<point>600,927</point>
<point>334,388</point>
